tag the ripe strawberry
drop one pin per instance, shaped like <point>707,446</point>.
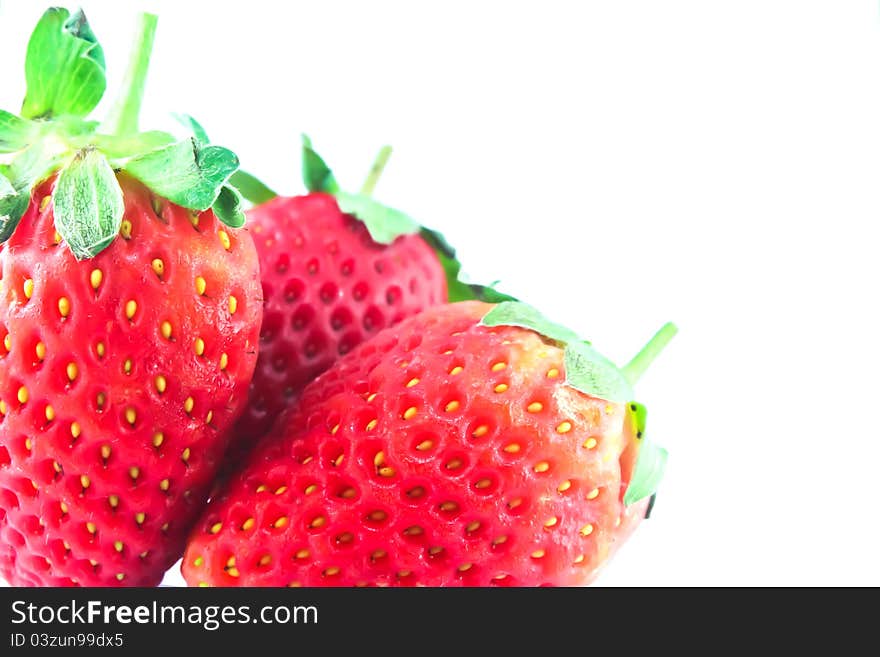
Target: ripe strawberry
<point>469,445</point>
<point>129,325</point>
<point>330,281</point>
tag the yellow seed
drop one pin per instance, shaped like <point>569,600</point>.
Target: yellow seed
<point>472,527</point>
<point>512,448</point>
<point>458,369</point>
<point>593,494</point>
<point>453,464</point>
<point>198,561</point>
<point>371,425</point>
<point>50,413</point>
<point>514,503</point>
<point>28,444</point>
<point>412,382</point>
<point>334,429</point>
<point>163,528</point>
<point>126,366</point>
<point>265,560</point>
<point>164,484</point>
<point>72,371</point>
<point>184,455</point>
<point>130,308</point>
<point>590,443</point>
<point>158,267</point>
<point>56,238</point>
<point>28,288</point>
<point>551,522</point>
<point>100,349</point>
<point>552,373</point>
<point>75,429</point>
<point>282,521</point>
<point>538,554</point>
<point>564,427</point>
<point>209,417</point>
<point>233,305</point>
<point>248,524</point>
<point>57,466</point>
<point>64,306</point>
<point>579,558</point>
<point>500,540</point>
<point>230,562</point>
<point>224,361</point>
<point>93,562</point>
<point>378,554</point>
<point>201,285</point>
<point>386,472</point>
<point>379,459</point>
<point>134,472</point>
<point>332,570</point>
<point>315,523</point>
<point>188,404</point>
<point>130,415</point>
<point>501,387</point>
<point>199,346</point>
<point>215,528</point>
<point>338,460</point>
<point>204,585</point>
<point>483,483</point>
<point>481,431</point>
<point>377,516</point>
<point>161,384</point>
<point>224,239</point>
<point>2,407</point>
<point>302,554</point>
<point>7,343</point>
<point>452,406</point>
<point>125,229</point>
<point>233,572</point>
<point>535,407</point>
<point>64,508</point>
<point>91,527</point>
<point>165,327</point>
<point>281,490</point>
<point>564,486</point>
<point>158,439</point>
<point>371,398</point>
<point>586,530</point>
<point>105,452</point>
<point>542,466</point>
<point>465,567</point>
<point>44,203</point>
<point>497,367</point>
<point>40,349</point>
<point>448,506</point>
<point>113,500</point>
<point>117,545</point>
<point>311,488</point>
<point>22,395</point>
<point>410,413</point>
<point>95,278</point>
<point>424,445</point>
<point>193,219</point>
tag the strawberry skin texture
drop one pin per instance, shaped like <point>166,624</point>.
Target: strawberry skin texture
<point>327,287</point>
<point>120,379</point>
<point>440,453</point>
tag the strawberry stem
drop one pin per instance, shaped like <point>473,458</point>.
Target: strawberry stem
<point>376,170</point>
<point>635,368</point>
<point>122,119</point>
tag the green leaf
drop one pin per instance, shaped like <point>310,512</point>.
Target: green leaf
<point>228,208</point>
<point>139,143</point>
<point>15,133</point>
<point>384,224</point>
<point>13,205</point>
<point>317,176</point>
<point>64,67</point>
<point>251,188</point>
<point>186,173</point>
<point>590,372</point>
<point>195,128</point>
<point>650,465</point>
<point>88,204</point>
<point>517,313</point>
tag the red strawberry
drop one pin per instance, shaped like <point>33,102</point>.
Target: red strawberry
<point>129,326</point>
<point>458,448</point>
<point>330,281</point>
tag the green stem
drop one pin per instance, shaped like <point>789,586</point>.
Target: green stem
<point>376,170</point>
<point>635,368</point>
<point>122,119</point>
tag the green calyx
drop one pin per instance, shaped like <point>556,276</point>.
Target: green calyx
<point>386,224</point>
<point>65,74</point>
<point>592,373</point>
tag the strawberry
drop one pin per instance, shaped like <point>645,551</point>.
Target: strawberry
<point>336,268</point>
<point>472,444</point>
<point>128,319</point>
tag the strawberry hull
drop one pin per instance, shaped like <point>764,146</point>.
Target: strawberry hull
<point>441,453</point>
<point>120,377</point>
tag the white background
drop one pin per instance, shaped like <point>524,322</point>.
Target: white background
<point>619,164</point>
